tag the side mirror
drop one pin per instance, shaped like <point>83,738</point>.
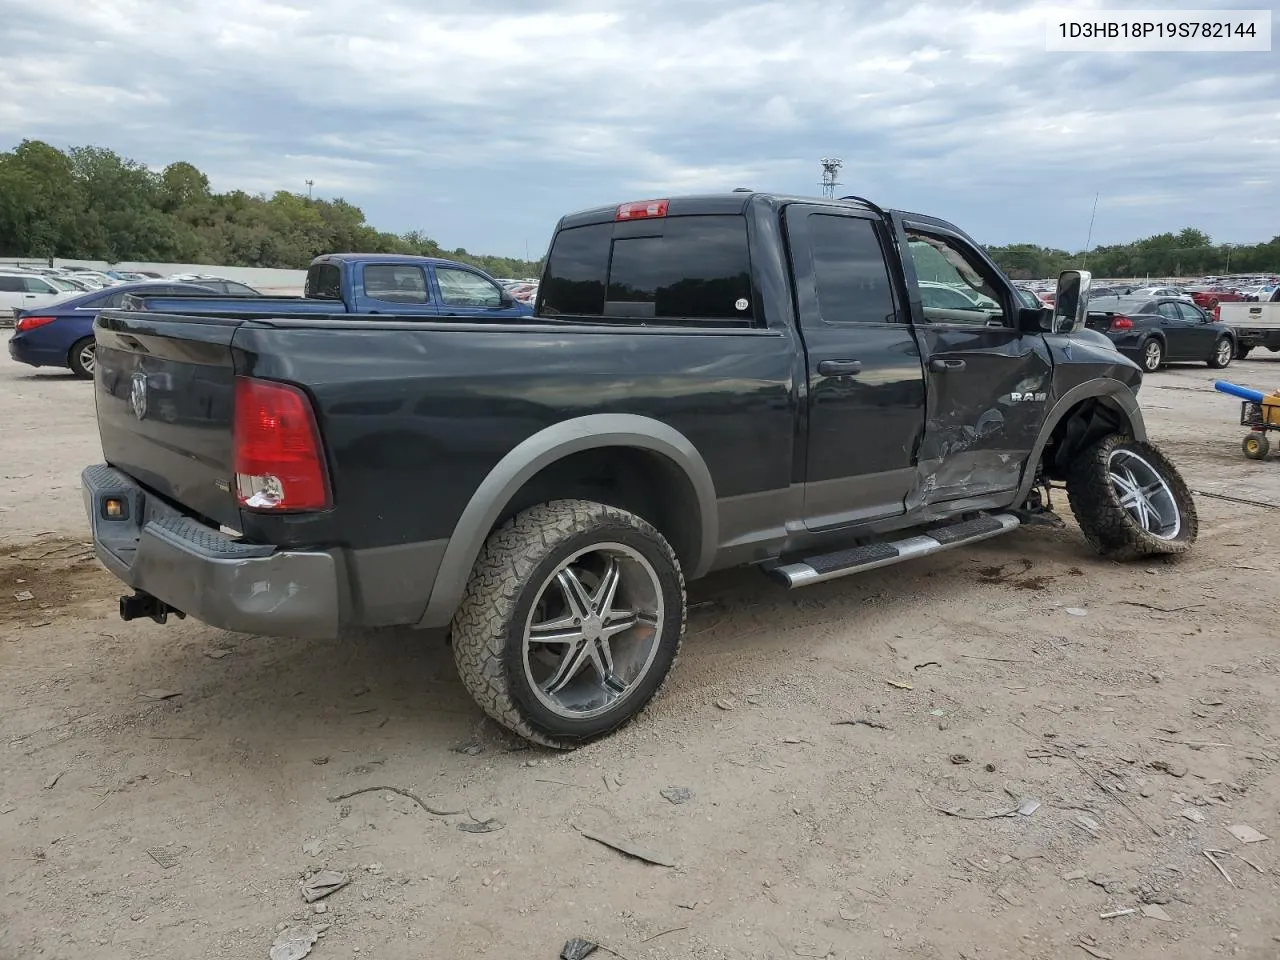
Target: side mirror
<point>1071,304</point>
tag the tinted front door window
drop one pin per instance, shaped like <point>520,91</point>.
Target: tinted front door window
<point>952,285</point>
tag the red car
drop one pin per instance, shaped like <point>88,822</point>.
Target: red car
<point>1208,299</point>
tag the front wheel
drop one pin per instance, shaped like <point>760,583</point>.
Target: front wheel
<point>1256,446</point>
<point>1223,352</point>
<point>1152,356</point>
<point>1130,501</point>
<point>81,358</point>
<point>572,619</point>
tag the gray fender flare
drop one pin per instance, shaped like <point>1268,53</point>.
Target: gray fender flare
<point>1102,388</point>
<point>541,450</point>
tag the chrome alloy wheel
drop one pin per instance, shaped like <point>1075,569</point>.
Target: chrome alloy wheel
<point>1225,353</point>
<point>1145,494</point>
<point>86,357</point>
<point>1154,355</point>
<point>593,631</point>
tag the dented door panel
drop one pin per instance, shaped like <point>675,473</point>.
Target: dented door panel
<point>983,419</point>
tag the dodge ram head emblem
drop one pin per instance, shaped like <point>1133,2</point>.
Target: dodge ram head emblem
<point>138,395</point>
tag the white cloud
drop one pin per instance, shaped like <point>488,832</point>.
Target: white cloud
<point>483,126</point>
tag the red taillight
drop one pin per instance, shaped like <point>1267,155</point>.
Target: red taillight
<point>278,460</point>
<point>30,323</point>
<point>642,210</point>
<point>1121,323</point>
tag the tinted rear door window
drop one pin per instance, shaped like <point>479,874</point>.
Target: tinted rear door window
<point>395,283</point>
<point>849,271</point>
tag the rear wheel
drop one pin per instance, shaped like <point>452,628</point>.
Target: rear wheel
<point>1152,356</point>
<point>572,619</point>
<point>81,358</point>
<point>1223,352</point>
<point>1256,446</point>
<point>1130,501</point>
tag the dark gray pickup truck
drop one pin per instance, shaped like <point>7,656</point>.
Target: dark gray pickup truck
<point>707,382</point>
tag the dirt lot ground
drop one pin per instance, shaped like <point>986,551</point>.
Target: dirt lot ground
<point>164,789</point>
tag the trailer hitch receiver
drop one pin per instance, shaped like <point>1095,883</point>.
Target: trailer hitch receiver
<point>145,605</point>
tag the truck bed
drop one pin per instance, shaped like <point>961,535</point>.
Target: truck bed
<point>414,414</point>
<point>241,307</point>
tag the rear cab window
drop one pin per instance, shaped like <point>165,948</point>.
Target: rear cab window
<point>324,282</point>
<point>679,270</point>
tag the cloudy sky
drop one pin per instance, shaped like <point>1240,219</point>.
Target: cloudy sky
<point>482,127</point>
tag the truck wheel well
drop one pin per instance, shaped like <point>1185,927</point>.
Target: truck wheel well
<point>642,482</point>
<point>1083,425</point>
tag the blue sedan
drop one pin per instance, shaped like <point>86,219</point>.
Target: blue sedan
<point>60,334</point>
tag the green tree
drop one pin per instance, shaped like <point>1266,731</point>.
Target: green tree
<point>91,203</point>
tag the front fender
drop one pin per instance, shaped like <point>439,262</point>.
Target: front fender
<point>541,450</point>
<point>1119,396</point>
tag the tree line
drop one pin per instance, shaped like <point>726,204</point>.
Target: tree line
<point>89,203</point>
<point>1188,253</point>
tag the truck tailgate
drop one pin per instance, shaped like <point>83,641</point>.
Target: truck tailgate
<point>1251,316</point>
<point>164,388</point>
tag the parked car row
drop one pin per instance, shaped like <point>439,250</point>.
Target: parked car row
<point>525,291</point>
<point>84,279</point>
<point>55,328</point>
<point>53,309</point>
<point>60,333</point>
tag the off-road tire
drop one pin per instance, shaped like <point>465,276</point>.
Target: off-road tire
<point>487,633</point>
<point>1109,528</point>
<point>75,363</point>
<point>1221,358</point>
<point>1256,446</point>
<point>1147,363</point>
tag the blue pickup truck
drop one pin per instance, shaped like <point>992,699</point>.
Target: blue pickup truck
<point>366,283</point>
